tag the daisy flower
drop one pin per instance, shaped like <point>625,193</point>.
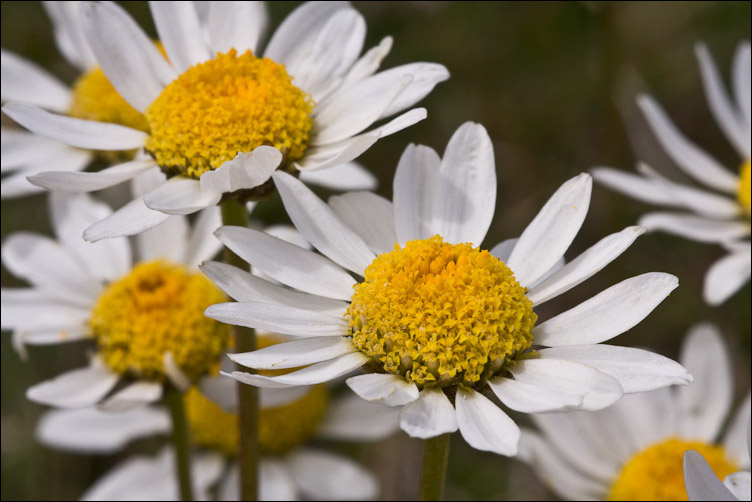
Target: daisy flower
<point>703,484</point>
<point>634,450</point>
<point>435,321</point>
<point>91,97</point>
<point>720,212</point>
<point>220,119</point>
<point>144,315</point>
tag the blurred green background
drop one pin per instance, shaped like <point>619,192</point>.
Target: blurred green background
<point>554,84</point>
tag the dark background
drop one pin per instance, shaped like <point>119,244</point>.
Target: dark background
<point>554,84</point>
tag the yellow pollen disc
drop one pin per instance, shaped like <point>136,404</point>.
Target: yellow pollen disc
<point>440,314</point>
<point>94,98</point>
<point>157,308</point>
<point>224,106</point>
<point>745,187</point>
<point>657,472</point>
<point>281,429</point>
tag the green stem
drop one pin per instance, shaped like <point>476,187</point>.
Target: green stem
<point>434,466</point>
<point>235,213</point>
<point>174,400</point>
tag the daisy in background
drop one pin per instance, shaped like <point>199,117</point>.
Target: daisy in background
<point>634,450</point>
<point>220,119</point>
<point>435,321</point>
<point>721,213</point>
<point>144,315</point>
<point>289,420</point>
<point>91,97</point>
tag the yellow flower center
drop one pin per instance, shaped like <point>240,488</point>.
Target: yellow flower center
<point>281,429</point>
<point>657,472</point>
<point>94,98</point>
<point>744,188</point>
<point>158,308</point>
<point>224,106</point>
<point>440,314</point>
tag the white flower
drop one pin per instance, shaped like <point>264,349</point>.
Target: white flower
<point>437,320</point>
<point>145,314</point>
<point>718,218</point>
<point>634,450</point>
<point>211,107</point>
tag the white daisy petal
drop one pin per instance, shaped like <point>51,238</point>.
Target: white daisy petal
<point>368,214</point>
<point>549,235</point>
<point>288,263</point>
<point>352,419</point>
<point>432,414</point>
<point>344,177</point>
<point>403,121</point>
<point>131,219</point>
<point>90,431</point>
<point>609,313</point>
<point>463,206</point>
<point>178,28</point>
<point>325,476</point>
<point>692,159</point>
<point>17,185</point>
<point>310,375</point>
<point>202,245</point>
<point>246,170</point>
<point>75,389</point>
<point>737,432</point>
<point>720,105</point>
<point>181,195</point>
<point>20,147</point>
<point>636,370</point>
<point>75,132</point>
<point>697,228</point>
<point>275,482</point>
<point>701,481</point>
<point>414,192</point>
<point>637,187</point>
<point>324,157</point>
<point>21,309</point>
<point>69,36</point>
<point>131,61</point>
<point>238,25</point>
<point>295,353</point>
<point>739,483</point>
<point>742,82</point>
<point>166,241</point>
<point>71,215</point>
<point>273,398</point>
<point>585,265</point>
<point>387,389</point>
<point>245,287</point>
<point>726,276</point>
<point>24,81</point>
<point>369,63</point>
<point>135,395</point>
<point>76,182</point>
<point>598,390</point>
<point>531,398</point>
<point>321,226</point>
<point>706,403</point>
<point>60,333</point>
<point>484,426</point>
<point>425,76</point>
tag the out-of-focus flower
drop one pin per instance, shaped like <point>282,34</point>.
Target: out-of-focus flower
<point>634,450</point>
<point>220,119</point>
<point>436,322</point>
<point>719,218</point>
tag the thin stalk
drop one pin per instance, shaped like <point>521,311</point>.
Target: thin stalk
<point>174,400</point>
<point>434,466</point>
<point>235,213</point>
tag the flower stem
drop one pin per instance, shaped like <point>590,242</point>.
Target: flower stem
<point>235,213</point>
<point>434,466</point>
<point>174,400</point>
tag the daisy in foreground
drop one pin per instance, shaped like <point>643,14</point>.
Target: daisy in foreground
<point>145,316</point>
<point>723,217</point>
<point>219,118</point>
<point>634,450</point>
<point>436,322</point>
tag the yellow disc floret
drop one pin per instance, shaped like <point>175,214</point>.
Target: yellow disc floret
<point>224,106</point>
<point>281,429</point>
<point>440,314</point>
<point>158,308</point>
<point>657,472</point>
<point>94,98</point>
<point>744,189</point>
